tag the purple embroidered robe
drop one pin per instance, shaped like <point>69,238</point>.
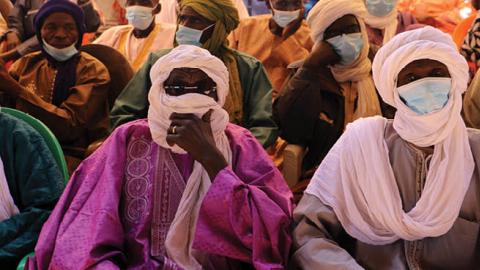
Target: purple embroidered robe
<point>119,204</point>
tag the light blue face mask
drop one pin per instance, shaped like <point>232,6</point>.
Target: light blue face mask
<point>380,8</point>
<point>189,36</point>
<point>347,46</point>
<point>284,18</point>
<point>139,17</point>
<point>426,95</point>
<point>60,55</point>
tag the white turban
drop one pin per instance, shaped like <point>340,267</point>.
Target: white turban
<point>322,15</point>
<point>356,178</point>
<point>387,23</point>
<point>182,230</point>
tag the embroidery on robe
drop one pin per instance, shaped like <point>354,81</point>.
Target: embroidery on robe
<point>168,188</point>
<point>137,185</point>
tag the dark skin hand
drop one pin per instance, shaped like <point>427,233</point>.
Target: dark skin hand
<point>323,54</point>
<point>420,69</point>
<point>12,40</point>
<point>190,18</point>
<point>194,134</point>
<point>286,5</point>
<point>145,3</point>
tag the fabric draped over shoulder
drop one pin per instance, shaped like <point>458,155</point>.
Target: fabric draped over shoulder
<point>366,200</point>
<point>323,14</point>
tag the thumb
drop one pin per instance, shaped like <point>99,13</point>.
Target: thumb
<point>206,117</point>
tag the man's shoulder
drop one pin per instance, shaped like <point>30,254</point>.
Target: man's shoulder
<point>245,59</point>
<point>254,21</point>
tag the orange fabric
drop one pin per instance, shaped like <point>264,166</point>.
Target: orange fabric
<point>88,38</point>
<point>442,14</point>
<point>462,28</point>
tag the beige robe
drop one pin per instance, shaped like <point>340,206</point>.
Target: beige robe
<point>136,50</point>
<point>320,242</point>
<point>253,36</point>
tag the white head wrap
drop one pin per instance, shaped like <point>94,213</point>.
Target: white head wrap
<point>7,205</point>
<point>182,230</point>
<point>324,14</point>
<point>356,178</point>
<point>387,23</point>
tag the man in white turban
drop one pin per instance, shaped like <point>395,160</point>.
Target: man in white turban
<point>183,189</point>
<point>333,86</point>
<point>401,193</point>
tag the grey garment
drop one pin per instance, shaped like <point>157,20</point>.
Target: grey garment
<point>23,13</point>
<point>320,242</point>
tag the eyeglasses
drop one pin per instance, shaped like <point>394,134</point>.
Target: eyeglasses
<point>181,89</point>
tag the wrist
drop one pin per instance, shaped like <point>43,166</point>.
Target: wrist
<point>213,162</point>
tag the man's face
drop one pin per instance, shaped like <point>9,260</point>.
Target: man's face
<point>190,80</point>
<point>190,18</point>
<point>286,5</point>
<point>59,30</point>
<point>420,69</point>
<point>347,24</point>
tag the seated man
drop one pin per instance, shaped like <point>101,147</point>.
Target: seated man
<point>402,193</point>
<point>207,23</point>
<point>21,37</point>
<point>183,189</point>
<point>469,41</point>
<point>64,88</point>
<point>276,39</point>
<point>142,36</point>
<point>384,21</point>
<point>30,185</point>
<point>334,86</point>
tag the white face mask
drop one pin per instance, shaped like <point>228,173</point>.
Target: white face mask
<point>283,18</point>
<point>60,55</point>
<point>140,17</point>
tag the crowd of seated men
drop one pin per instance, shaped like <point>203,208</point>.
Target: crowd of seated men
<point>174,123</point>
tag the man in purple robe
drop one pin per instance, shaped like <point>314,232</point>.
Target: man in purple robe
<point>183,189</point>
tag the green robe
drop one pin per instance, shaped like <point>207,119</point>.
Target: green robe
<point>133,104</point>
<point>35,183</point>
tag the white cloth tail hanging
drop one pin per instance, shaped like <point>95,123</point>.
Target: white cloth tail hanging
<point>7,205</point>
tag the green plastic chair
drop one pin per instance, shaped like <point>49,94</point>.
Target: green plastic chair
<point>52,144</point>
<point>46,133</point>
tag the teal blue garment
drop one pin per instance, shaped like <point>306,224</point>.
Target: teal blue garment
<point>35,183</point>
<point>132,103</point>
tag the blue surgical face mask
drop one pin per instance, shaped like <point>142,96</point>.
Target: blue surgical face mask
<point>347,46</point>
<point>426,95</point>
<point>283,18</point>
<point>380,8</point>
<point>189,36</point>
<point>60,55</point>
<point>139,17</point>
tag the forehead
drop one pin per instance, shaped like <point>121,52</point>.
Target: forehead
<point>59,18</point>
<point>183,75</point>
<point>343,22</point>
<point>294,2</point>
<point>422,65</point>
<point>147,3</point>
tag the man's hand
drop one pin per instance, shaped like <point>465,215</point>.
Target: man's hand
<point>322,55</point>
<point>194,135</point>
<point>12,40</point>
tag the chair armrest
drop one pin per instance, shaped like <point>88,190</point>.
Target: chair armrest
<point>292,163</point>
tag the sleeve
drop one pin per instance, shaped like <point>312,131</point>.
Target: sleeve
<point>247,211</point>
<point>85,230</point>
<point>314,238</point>
<point>35,183</point>
<point>86,105</point>
<point>258,104</point>
<point>15,18</point>
<point>132,103</point>
<point>92,18</point>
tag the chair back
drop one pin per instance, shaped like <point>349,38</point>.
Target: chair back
<point>117,65</point>
<point>47,135</point>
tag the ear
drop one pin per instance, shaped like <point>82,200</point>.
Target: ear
<point>157,8</point>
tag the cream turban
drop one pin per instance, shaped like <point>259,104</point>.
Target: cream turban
<point>180,236</point>
<point>366,198</point>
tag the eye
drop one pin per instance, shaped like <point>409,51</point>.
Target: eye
<point>411,78</point>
